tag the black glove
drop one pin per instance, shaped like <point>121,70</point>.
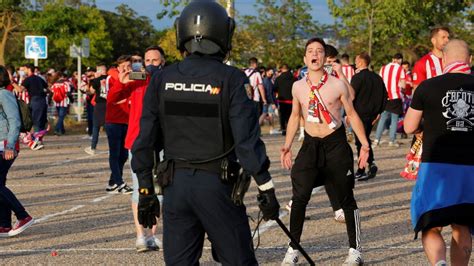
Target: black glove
<point>148,209</point>
<point>268,204</point>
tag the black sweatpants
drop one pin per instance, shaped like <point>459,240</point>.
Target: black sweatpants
<point>197,202</point>
<point>285,112</point>
<point>367,122</point>
<point>325,161</point>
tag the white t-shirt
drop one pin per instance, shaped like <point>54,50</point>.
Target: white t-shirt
<point>255,79</point>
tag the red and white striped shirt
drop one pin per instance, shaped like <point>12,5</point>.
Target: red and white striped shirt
<point>391,74</point>
<point>348,71</point>
<point>67,88</point>
<point>429,66</point>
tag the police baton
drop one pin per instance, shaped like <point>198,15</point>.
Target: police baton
<point>298,246</point>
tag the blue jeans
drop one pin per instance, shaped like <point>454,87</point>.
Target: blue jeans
<point>118,155</point>
<point>8,200</point>
<point>393,125</point>
<point>90,118</point>
<point>62,112</point>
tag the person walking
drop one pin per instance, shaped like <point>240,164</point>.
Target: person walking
<point>443,194</point>
<point>9,131</point>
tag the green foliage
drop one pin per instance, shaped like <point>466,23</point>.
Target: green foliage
<point>385,27</point>
<point>129,32</point>
<point>278,31</point>
<point>66,26</point>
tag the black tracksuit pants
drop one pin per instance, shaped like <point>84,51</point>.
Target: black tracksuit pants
<point>325,161</point>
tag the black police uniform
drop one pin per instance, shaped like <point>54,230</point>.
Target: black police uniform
<point>195,110</point>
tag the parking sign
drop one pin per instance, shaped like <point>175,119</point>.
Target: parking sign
<point>36,47</point>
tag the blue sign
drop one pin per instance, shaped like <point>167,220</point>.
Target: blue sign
<point>36,47</point>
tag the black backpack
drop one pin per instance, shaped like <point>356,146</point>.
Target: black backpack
<point>25,116</point>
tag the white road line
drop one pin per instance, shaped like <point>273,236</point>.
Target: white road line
<point>53,185</point>
<point>73,209</point>
<point>312,248</point>
<point>99,199</point>
<point>47,217</point>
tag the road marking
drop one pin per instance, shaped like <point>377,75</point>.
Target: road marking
<point>47,217</point>
<point>269,248</point>
<point>99,199</point>
<point>73,209</point>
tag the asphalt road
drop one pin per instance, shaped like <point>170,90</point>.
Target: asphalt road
<point>77,223</point>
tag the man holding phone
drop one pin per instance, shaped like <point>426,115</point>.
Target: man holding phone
<point>132,86</point>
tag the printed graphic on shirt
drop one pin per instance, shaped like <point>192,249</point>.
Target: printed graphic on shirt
<point>459,106</point>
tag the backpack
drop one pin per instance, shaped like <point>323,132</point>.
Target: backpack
<point>59,91</point>
<point>25,116</point>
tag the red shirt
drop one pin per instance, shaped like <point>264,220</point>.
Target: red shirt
<point>134,92</point>
<point>409,84</point>
<point>429,66</point>
<point>391,74</point>
<point>117,111</point>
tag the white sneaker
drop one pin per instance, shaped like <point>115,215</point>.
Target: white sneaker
<point>394,144</point>
<point>288,205</point>
<point>141,244</point>
<point>89,151</point>
<point>301,137</point>
<point>375,143</point>
<point>339,216</point>
<point>354,258</point>
<point>151,243</point>
<point>291,257</point>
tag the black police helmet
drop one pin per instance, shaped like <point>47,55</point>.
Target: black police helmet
<point>204,27</point>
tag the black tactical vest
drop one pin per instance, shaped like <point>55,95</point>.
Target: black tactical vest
<point>194,115</point>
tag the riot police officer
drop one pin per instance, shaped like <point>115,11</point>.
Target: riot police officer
<point>197,110</point>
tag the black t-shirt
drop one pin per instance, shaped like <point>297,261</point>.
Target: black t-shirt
<point>370,94</point>
<point>98,84</point>
<point>447,102</point>
<point>35,86</point>
<point>283,85</point>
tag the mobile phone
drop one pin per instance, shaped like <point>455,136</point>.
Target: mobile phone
<point>137,75</point>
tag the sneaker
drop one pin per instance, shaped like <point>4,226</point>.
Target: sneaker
<point>89,151</point>
<point>112,189</point>
<point>354,258</point>
<point>339,216</point>
<point>288,205</point>
<point>350,137</point>
<point>291,257</point>
<point>441,263</point>
<point>151,243</point>
<point>124,189</point>
<point>360,176</point>
<point>4,231</point>
<point>394,144</point>
<point>140,244</point>
<point>21,225</point>
<point>301,137</point>
<point>375,143</point>
<point>37,145</point>
<point>372,171</point>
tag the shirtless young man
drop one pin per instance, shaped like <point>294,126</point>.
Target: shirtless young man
<point>325,157</point>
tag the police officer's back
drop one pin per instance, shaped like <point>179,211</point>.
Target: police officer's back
<point>198,112</point>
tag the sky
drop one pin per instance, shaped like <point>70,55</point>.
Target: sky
<point>150,8</point>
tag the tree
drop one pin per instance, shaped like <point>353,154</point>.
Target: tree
<point>66,26</point>
<point>385,27</point>
<point>129,32</point>
<point>11,12</point>
<point>168,43</point>
<point>279,30</point>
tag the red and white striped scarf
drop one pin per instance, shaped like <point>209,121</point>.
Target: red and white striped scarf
<point>457,66</point>
<point>316,106</point>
